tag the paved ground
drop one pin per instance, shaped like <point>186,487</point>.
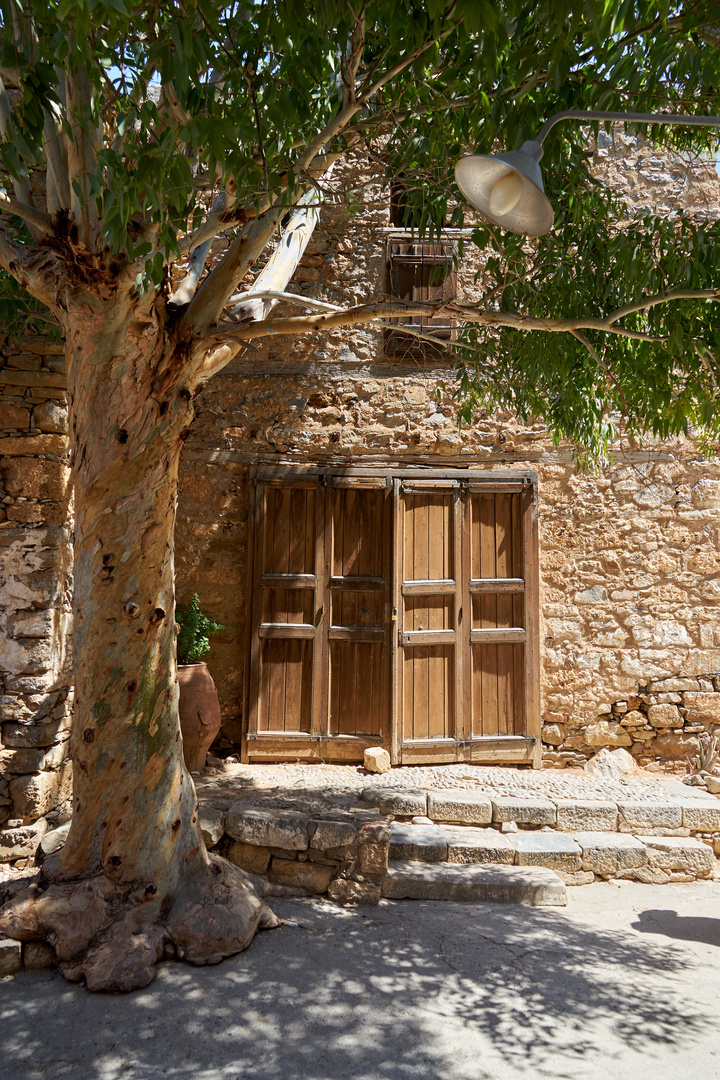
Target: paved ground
<point>624,984</point>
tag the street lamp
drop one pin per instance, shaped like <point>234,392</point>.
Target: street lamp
<point>507,188</point>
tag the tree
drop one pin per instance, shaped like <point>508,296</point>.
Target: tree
<point>133,134</point>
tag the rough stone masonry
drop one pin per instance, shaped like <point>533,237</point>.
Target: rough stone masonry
<point>630,560</point>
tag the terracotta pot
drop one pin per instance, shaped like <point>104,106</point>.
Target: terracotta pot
<point>199,713</point>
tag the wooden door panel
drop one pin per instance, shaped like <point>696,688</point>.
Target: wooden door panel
<point>358,688</point>
<point>497,598</point>
<point>429,617</point>
<point>359,601</point>
<point>283,700</point>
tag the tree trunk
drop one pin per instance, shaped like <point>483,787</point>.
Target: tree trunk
<point>134,874</point>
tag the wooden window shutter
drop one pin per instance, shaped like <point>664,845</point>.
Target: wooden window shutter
<point>420,272</point>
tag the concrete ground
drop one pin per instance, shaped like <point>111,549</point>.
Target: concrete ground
<point>624,983</point>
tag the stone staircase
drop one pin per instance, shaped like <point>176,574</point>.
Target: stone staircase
<point>467,845</point>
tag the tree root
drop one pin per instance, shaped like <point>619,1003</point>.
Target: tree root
<point>113,935</point>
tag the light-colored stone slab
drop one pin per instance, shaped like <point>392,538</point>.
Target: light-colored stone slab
<point>468,845</point>
<point>557,851</point>
<point>586,815</point>
<point>21,842</point>
<point>701,816</point>
<point>606,853</point>
<point>331,834</point>
<point>401,803</point>
<point>267,828</point>
<point>418,843</point>
<point>649,815</point>
<point>534,886</point>
<point>52,841</point>
<point>460,807</point>
<point>680,853</point>
<point>524,809</point>
<point>212,825</point>
<point>10,956</point>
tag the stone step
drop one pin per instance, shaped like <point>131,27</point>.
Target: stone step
<point>533,886</point>
<point>685,811</point>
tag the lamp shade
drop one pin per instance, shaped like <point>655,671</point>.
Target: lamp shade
<point>507,189</point>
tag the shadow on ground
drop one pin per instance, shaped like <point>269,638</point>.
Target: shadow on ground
<point>403,991</point>
<point>680,927</point>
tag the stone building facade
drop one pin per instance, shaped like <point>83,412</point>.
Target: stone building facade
<point>629,567</point>
<point>628,563</point>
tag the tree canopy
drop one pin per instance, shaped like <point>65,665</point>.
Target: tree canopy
<point>124,122</point>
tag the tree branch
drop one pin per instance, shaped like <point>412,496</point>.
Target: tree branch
<point>662,298</point>
<point>30,214</point>
<point>84,143</point>
<point>186,289</point>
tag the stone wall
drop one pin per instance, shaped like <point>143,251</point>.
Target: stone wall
<point>35,586</point>
<point>630,562</point>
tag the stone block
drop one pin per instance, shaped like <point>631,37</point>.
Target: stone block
<point>36,735</point>
<point>633,719</point>
<point>373,859</point>
<point>534,886</point>
<point>14,416</point>
<point>403,803</point>
<point>607,853</point>
<point>701,816</point>
<point>586,815</point>
<point>648,815</point>
<point>376,759</point>
<point>36,478</point>
<point>606,733</point>
<point>461,807</point>
<point>54,839</point>
<point>611,764</point>
<point>51,416</point>
<point>554,734</point>
<point>374,832</point>
<point>34,795</point>
<point>421,843</point>
<point>37,955</point>
<point>524,809</point>
<point>20,762</point>
<point>267,828</point>
<point>249,857</point>
<point>468,845</point>
<point>702,708</point>
<point>557,851</point>
<point>331,834</point>
<point>665,716</point>
<point>580,877</point>
<point>349,893</point>
<point>212,825</point>
<point>21,842</point>
<point>646,875</point>
<point>10,956</point>
<point>680,853</point>
<point>313,877</point>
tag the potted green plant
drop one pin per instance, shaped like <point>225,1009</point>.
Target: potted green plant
<point>199,706</point>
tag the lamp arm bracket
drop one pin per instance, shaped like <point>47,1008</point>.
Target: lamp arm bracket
<point>632,117</point>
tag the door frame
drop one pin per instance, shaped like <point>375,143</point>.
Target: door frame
<point>480,749</point>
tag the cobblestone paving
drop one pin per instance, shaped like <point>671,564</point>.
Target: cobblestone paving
<point>320,784</point>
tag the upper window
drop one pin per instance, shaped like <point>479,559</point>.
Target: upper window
<point>420,272</point>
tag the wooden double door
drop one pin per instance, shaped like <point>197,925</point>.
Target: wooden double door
<point>394,609</point>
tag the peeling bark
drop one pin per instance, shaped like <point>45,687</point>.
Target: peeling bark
<point>134,874</point>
